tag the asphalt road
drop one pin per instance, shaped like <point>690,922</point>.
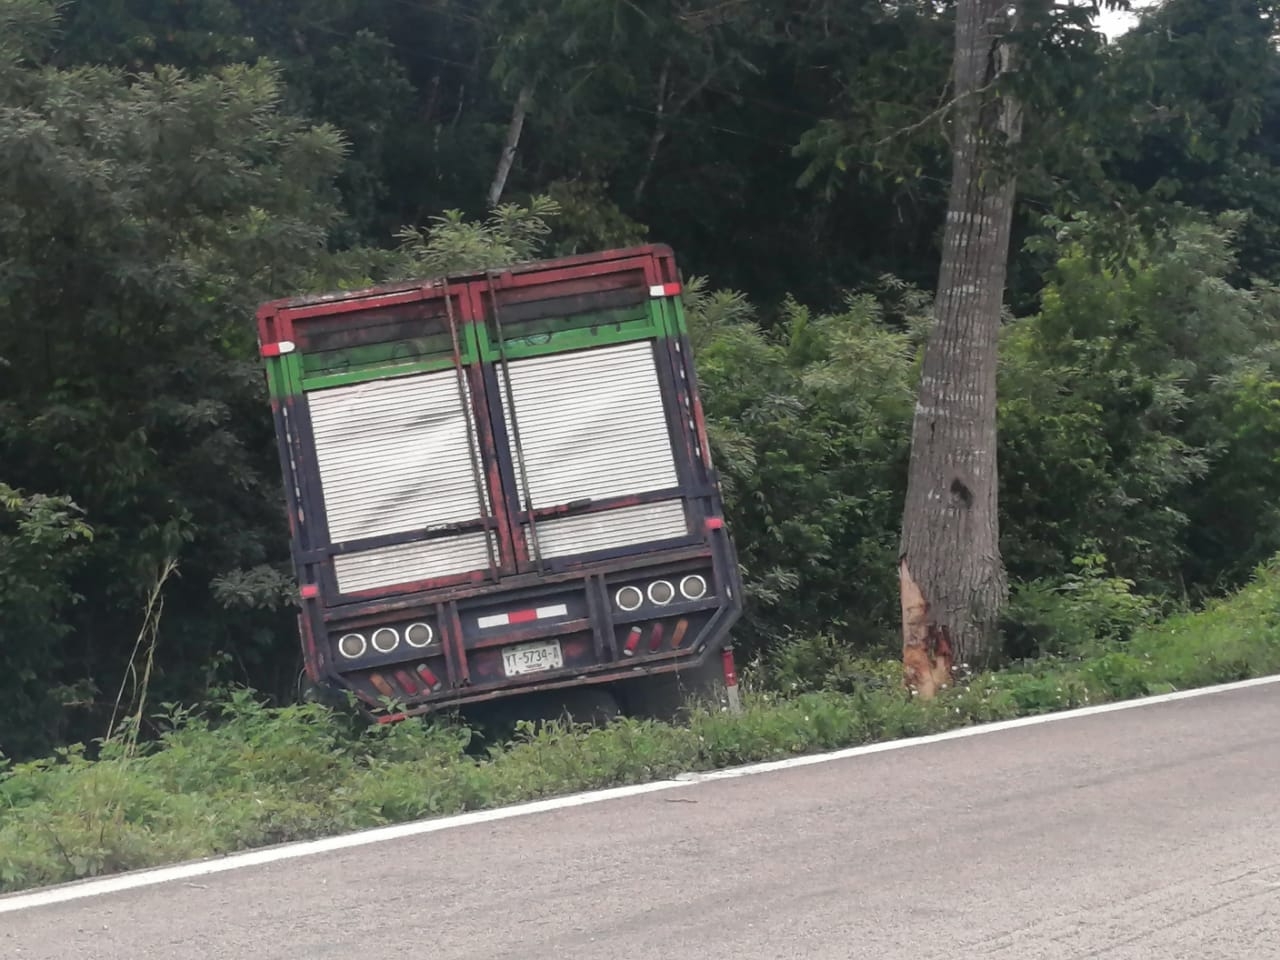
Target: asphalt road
<point>1152,833</point>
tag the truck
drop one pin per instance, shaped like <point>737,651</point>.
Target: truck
<point>500,483</point>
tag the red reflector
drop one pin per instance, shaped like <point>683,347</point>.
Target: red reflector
<point>633,641</point>
<point>522,616</point>
<point>715,523</point>
<point>655,638</point>
<point>380,684</point>
<point>276,349</point>
<point>429,678</point>
<point>730,672</point>
<point>677,635</point>
<point>406,682</point>
<point>309,591</point>
<point>665,290</point>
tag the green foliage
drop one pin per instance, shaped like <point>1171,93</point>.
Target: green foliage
<point>1233,514</point>
<point>26,30</point>
<point>141,220</point>
<point>887,122</point>
<point>453,244</point>
<point>246,775</point>
<point>1203,78</point>
<point>1076,614</point>
<point>810,425</point>
<point>809,662</point>
<point>1137,417</point>
<point>587,220</point>
<point>1131,406</point>
<point>43,541</point>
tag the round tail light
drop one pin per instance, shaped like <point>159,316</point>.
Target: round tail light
<point>661,592</point>
<point>352,646</point>
<point>693,587</point>
<point>629,599</point>
<point>419,635</point>
<point>385,639</point>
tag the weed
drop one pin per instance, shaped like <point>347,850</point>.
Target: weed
<point>1076,615</point>
<point>240,774</point>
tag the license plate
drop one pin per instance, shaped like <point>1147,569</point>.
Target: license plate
<point>532,658</point>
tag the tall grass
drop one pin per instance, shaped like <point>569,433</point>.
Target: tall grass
<point>240,775</point>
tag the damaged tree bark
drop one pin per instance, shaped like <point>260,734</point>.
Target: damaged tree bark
<point>951,576</point>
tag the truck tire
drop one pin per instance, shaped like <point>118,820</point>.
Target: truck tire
<point>668,696</point>
<point>496,720</point>
<point>594,705</point>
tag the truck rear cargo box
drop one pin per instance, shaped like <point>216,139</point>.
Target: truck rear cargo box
<point>499,483</point>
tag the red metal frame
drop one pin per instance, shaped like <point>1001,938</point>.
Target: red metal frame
<point>660,268</point>
<point>441,600</point>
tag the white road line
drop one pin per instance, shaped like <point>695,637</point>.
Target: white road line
<point>291,851</point>
<point>961,733</point>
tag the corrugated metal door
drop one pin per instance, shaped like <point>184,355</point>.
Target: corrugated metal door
<point>644,523</point>
<point>408,562</point>
<point>394,457</point>
<point>592,426</point>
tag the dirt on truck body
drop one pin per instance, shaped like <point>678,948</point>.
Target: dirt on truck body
<point>500,483</point>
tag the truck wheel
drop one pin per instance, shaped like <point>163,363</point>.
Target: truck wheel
<point>309,692</point>
<point>668,696</point>
<point>497,719</point>
<point>306,691</point>
<point>594,705</point>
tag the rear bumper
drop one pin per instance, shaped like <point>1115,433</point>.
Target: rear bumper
<point>598,642</point>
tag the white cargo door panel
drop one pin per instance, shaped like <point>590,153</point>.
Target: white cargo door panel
<point>408,562</point>
<point>609,529</point>
<point>393,457</point>
<point>592,426</point>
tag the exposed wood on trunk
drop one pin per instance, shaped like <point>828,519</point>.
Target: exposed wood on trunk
<point>951,576</point>
<point>927,665</point>
<point>510,145</point>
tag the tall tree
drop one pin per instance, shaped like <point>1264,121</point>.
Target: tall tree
<point>143,218</point>
<point>951,576</point>
<point>1204,121</point>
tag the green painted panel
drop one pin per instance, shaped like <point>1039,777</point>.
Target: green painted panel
<point>375,373</point>
<point>297,372</point>
<point>276,385</point>
<point>676,321</point>
<point>428,349</point>
<point>341,366</point>
<point>577,340</point>
<point>575,332</point>
<point>291,374</point>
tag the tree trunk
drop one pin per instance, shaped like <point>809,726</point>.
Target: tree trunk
<point>659,132</point>
<point>662,116</point>
<point>509,147</point>
<point>952,579</point>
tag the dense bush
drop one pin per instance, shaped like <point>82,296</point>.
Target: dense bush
<point>42,541</point>
<point>1130,439</point>
<point>1075,614</point>
<point>810,425</point>
<point>1133,408</point>
<point>142,218</point>
<point>240,774</point>
<point>1138,416</point>
<point>160,178</point>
